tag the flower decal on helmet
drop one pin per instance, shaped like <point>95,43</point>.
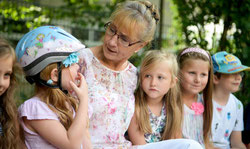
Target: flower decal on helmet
<point>71,59</point>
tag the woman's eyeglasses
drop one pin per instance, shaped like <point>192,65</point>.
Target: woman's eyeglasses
<point>122,39</point>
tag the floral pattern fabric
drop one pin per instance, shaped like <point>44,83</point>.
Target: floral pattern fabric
<point>157,124</point>
<point>111,95</point>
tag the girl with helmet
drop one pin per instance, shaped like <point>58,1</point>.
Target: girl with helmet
<point>53,118</point>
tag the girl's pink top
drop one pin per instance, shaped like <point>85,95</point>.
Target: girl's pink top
<point>35,109</point>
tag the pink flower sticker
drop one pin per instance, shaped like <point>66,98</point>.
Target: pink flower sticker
<point>219,109</point>
<point>197,107</point>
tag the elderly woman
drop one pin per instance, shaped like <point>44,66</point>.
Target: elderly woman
<point>111,78</point>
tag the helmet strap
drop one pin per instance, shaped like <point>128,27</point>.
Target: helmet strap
<point>36,78</point>
<point>59,82</point>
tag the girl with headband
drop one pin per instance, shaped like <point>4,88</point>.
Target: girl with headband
<point>196,79</point>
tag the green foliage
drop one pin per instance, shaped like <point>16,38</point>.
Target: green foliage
<point>174,32</point>
<point>233,13</point>
<point>234,16</point>
<point>86,12</point>
<point>21,18</point>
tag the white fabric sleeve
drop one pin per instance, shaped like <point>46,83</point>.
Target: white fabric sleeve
<point>239,125</point>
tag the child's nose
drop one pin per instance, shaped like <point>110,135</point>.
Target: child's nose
<point>197,78</point>
<point>153,81</point>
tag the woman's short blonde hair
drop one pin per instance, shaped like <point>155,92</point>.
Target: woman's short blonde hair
<point>135,16</point>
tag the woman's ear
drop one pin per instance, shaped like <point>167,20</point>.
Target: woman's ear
<point>54,75</point>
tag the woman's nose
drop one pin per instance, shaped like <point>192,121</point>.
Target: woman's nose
<point>114,40</point>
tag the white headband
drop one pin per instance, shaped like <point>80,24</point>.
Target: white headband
<point>197,50</point>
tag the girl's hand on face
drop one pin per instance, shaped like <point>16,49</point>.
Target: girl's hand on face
<point>81,89</point>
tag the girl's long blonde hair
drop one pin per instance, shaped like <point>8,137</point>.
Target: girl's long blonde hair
<point>173,103</point>
<point>207,92</point>
<point>12,133</point>
<point>56,99</point>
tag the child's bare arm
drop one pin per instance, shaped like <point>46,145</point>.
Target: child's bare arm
<point>135,135</point>
<point>86,144</point>
<point>55,133</point>
<point>236,140</point>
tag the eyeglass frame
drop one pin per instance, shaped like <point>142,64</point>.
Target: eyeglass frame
<point>107,25</point>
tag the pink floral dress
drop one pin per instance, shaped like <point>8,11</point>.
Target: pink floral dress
<point>111,95</point>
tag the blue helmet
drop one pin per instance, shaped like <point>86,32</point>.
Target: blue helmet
<point>43,46</point>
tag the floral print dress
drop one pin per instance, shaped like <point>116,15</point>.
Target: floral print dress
<point>111,95</point>
<point>157,124</point>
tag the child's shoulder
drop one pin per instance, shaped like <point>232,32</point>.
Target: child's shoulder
<point>34,108</point>
<point>33,101</point>
<point>234,99</point>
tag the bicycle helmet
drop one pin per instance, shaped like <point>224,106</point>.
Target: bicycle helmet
<point>43,46</point>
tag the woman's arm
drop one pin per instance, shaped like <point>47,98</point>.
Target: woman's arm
<point>55,133</point>
<point>135,135</point>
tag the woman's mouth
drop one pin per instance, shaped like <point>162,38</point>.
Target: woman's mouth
<point>111,51</point>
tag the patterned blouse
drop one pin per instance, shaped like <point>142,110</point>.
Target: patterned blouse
<point>111,95</point>
<point>157,124</point>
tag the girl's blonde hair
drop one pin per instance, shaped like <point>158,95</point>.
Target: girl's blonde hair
<point>56,99</point>
<point>171,99</point>
<point>12,133</point>
<point>207,92</point>
<point>137,16</point>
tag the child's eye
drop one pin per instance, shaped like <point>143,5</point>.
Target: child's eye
<point>191,72</point>
<point>203,74</point>
<point>7,75</point>
<point>160,77</point>
<point>147,76</point>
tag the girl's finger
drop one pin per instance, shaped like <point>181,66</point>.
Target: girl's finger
<point>81,78</point>
<point>73,86</point>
